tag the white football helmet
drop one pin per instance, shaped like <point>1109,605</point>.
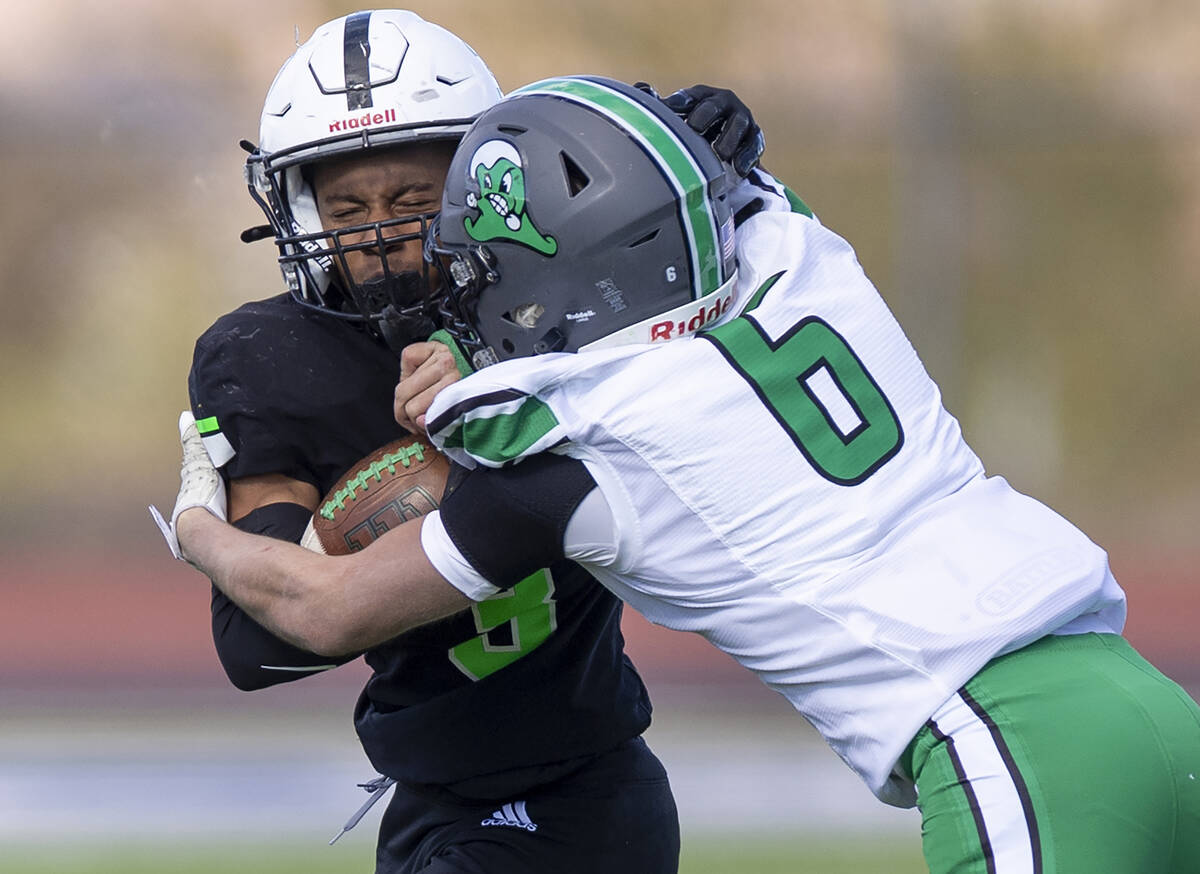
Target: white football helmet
<point>372,79</point>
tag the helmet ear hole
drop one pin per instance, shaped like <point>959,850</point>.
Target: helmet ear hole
<point>525,315</point>
<point>577,180</point>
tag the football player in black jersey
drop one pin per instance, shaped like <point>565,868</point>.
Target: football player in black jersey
<point>513,729</point>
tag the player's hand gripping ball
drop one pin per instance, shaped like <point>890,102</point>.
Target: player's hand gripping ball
<point>397,482</point>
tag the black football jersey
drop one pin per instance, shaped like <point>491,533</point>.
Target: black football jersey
<point>514,684</point>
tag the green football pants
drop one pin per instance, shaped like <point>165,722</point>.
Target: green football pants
<point>1073,755</point>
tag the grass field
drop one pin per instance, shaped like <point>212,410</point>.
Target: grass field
<point>768,855</point>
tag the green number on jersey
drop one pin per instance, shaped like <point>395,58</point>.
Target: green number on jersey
<point>818,390</point>
<point>524,615</point>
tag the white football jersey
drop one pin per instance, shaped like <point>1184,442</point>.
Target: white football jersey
<point>789,486</point>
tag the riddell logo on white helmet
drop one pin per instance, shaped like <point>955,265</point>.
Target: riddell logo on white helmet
<point>370,119</point>
<point>669,330</point>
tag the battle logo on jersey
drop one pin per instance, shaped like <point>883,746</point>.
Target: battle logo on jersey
<point>496,168</point>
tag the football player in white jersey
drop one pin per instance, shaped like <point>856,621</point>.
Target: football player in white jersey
<point>689,387</point>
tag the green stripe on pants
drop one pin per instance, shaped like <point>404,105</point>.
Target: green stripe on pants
<point>1107,748</point>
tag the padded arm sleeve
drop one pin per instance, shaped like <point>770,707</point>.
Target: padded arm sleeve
<point>254,658</point>
<point>510,522</point>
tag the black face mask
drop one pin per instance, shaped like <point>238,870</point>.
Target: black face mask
<point>400,308</point>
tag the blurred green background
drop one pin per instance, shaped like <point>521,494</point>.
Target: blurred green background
<point>1021,179</point>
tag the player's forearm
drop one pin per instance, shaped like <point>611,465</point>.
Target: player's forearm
<point>284,587</point>
<point>253,657</point>
<point>325,604</point>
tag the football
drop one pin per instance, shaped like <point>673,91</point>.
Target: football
<point>399,481</point>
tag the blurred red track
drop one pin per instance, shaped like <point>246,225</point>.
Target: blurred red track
<point>79,619</point>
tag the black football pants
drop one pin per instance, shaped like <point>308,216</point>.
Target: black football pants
<point>613,813</point>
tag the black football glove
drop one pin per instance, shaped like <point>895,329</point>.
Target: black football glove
<point>721,118</point>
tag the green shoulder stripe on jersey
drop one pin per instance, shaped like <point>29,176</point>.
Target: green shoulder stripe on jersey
<point>503,437</point>
<point>360,480</point>
<point>207,426</point>
<point>757,297</point>
<point>797,204</point>
<point>673,159</point>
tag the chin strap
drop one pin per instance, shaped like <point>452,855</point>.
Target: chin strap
<point>399,300</point>
<point>401,329</point>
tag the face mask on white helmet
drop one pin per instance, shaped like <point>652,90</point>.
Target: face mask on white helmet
<point>370,80</point>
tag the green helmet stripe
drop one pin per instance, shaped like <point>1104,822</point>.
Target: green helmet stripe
<point>678,165</point>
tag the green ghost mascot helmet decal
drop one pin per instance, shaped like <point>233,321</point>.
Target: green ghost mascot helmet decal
<point>496,168</point>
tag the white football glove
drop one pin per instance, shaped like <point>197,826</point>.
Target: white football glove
<point>200,482</point>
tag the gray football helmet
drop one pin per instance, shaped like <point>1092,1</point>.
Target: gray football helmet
<point>581,212</point>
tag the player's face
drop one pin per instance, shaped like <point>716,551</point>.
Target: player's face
<point>378,187</point>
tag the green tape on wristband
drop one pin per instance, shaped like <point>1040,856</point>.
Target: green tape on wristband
<point>207,426</point>
<point>460,360</point>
